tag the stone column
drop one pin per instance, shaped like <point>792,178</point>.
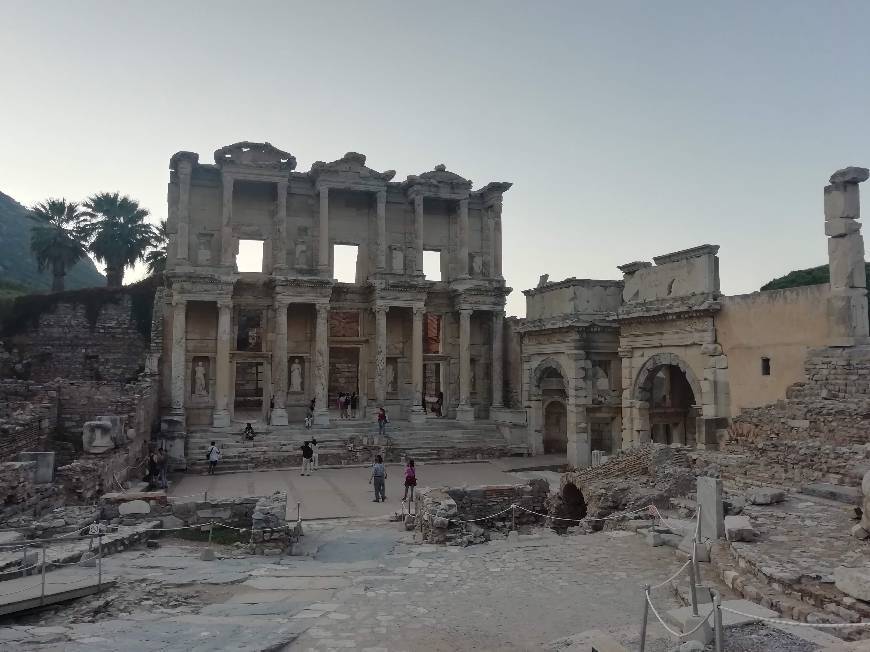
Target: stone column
<point>185,168</point>
<point>323,242</point>
<point>382,230</point>
<point>465,412</point>
<point>179,361</point>
<point>498,359</point>
<point>417,412</point>
<point>418,234</point>
<point>463,238</point>
<point>628,433</point>
<point>279,365</point>
<point>496,239</point>
<point>221,416</point>
<point>321,365</point>
<point>380,354</point>
<point>228,245</point>
<point>279,239</point>
<point>847,303</point>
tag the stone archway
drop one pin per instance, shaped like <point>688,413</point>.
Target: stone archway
<point>555,427</point>
<point>668,396</point>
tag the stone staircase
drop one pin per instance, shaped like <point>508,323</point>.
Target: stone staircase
<point>279,446</point>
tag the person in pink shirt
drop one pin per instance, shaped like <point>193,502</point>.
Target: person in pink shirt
<point>410,479</point>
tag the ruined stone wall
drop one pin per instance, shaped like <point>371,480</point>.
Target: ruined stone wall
<point>20,493</point>
<point>28,416</point>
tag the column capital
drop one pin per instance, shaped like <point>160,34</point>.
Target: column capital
<point>465,311</point>
<point>380,309</point>
<point>419,311</point>
<point>178,301</point>
<point>281,302</point>
<point>322,308</point>
<point>225,302</point>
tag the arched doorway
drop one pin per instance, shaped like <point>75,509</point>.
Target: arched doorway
<point>670,392</point>
<point>555,427</point>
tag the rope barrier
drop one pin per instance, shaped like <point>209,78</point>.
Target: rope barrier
<point>673,632</point>
<point>795,623</point>
<point>672,577</point>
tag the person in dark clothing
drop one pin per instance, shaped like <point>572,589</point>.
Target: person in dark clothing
<point>439,404</point>
<point>307,458</point>
<point>249,432</point>
<point>354,404</point>
<point>378,479</point>
<point>153,469</point>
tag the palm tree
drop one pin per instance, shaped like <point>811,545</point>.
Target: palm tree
<point>156,258</point>
<point>117,233</point>
<point>57,241</point>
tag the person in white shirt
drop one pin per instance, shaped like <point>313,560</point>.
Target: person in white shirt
<point>314,461</point>
<point>213,456</point>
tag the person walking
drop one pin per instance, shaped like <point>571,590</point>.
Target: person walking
<point>315,456</point>
<point>213,456</point>
<point>307,455</point>
<point>163,461</point>
<point>439,404</point>
<point>354,404</point>
<point>309,417</point>
<point>345,406</point>
<point>378,478</point>
<point>410,480</point>
<point>338,403</point>
<point>382,421</point>
<point>153,469</point>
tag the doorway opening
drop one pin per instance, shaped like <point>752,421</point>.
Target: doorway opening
<point>250,389</point>
<point>344,261</point>
<point>432,388</point>
<point>250,256</point>
<point>671,413</point>
<point>343,372</point>
<point>555,428</point>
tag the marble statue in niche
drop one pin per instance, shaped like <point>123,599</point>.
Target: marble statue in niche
<point>200,378</point>
<point>296,376</point>
<point>301,254</point>
<point>476,265</point>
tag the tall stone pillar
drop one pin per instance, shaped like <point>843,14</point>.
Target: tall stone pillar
<point>498,359</point>
<point>279,239</point>
<point>185,168</point>
<point>847,303</point>
<point>228,245</point>
<point>321,365</point>
<point>179,361</point>
<point>221,416</point>
<point>463,238</point>
<point>417,412</point>
<point>323,241</point>
<point>465,412</point>
<point>279,365</point>
<point>381,354</point>
<point>418,234</point>
<point>382,230</point>
<point>496,239</point>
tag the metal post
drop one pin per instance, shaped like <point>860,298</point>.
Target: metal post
<point>100,562</point>
<point>513,517</point>
<point>298,511</point>
<point>24,562</point>
<point>205,496</point>
<point>210,530</point>
<point>645,616</point>
<point>695,543</point>
<point>42,594</point>
<point>718,629</point>
<point>692,582</point>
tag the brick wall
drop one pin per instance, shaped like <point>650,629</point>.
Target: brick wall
<point>28,417</point>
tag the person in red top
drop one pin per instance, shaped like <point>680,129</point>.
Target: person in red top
<point>382,421</point>
<point>410,479</point>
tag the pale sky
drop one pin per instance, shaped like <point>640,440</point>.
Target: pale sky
<point>629,129</point>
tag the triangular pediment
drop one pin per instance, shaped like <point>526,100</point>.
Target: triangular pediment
<point>259,155</point>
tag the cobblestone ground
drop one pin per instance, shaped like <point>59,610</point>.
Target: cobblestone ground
<point>364,586</point>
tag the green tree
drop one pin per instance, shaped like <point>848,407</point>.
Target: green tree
<point>156,258</point>
<point>57,241</point>
<point>117,233</point>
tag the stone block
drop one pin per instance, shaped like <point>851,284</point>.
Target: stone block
<point>134,507</point>
<point>739,528</point>
<point>842,202</point>
<point>712,508</point>
<point>837,228</point>
<point>765,495</point>
<point>207,555</point>
<point>853,581</point>
<point>171,522</point>
<point>654,539</point>
<point>852,174</point>
<point>44,464</point>
<point>847,495</point>
<point>96,437</point>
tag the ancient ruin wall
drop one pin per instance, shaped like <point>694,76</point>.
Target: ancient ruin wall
<point>28,417</point>
<point>779,325</point>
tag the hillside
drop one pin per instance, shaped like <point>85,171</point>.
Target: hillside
<point>17,264</point>
<point>810,276</point>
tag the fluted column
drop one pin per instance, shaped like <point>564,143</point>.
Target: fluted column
<point>323,242</point>
<point>179,362</point>
<point>279,365</point>
<point>417,412</point>
<point>221,415</point>
<point>185,168</point>
<point>228,246</point>
<point>465,412</point>
<point>498,359</point>
<point>321,365</point>
<point>463,238</point>
<point>418,233</point>
<point>279,241</point>
<point>381,354</point>
<point>382,230</point>
<point>495,213</point>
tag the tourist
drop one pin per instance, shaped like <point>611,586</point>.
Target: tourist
<point>354,404</point>
<point>311,407</point>
<point>439,404</point>
<point>309,417</point>
<point>338,402</point>
<point>410,480</point>
<point>307,455</point>
<point>163,461</point>
<point>345,406</point>
<point>153,469</point>
<point>248,432</point>
<point>213,456</point>
<point>382,421</point>
<point>315,459</point>
<point>378,478</point>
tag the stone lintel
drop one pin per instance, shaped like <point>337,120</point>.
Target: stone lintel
<point>632,267</point>
<point>684,254</point>
<point>575,282</point>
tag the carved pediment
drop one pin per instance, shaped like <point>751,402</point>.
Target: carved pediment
<point>349,169</point>
<point>258,155</point>
<point>439,176</point>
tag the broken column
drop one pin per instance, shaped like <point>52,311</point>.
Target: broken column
<point>847,303</point>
